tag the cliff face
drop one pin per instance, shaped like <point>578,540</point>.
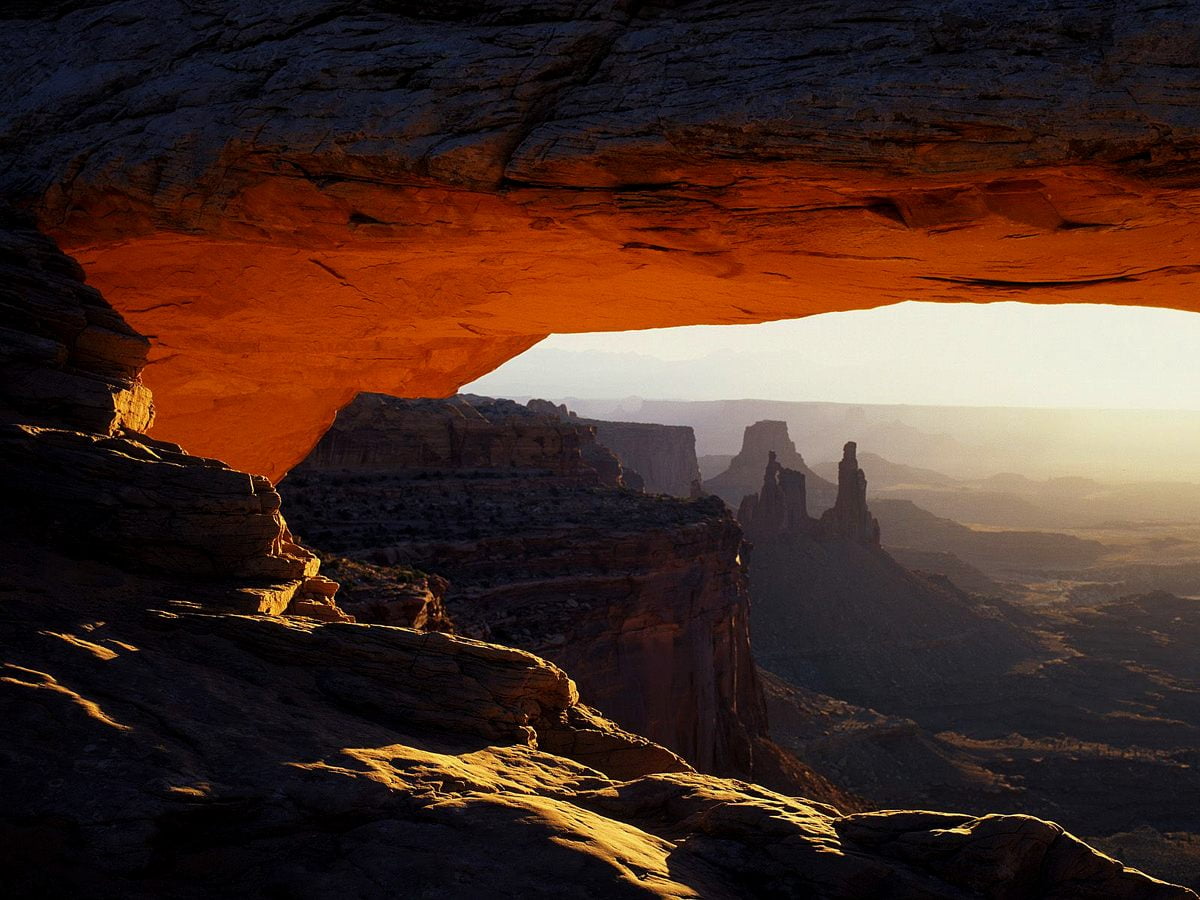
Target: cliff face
<point>462,432</point>
<point>189,755</point>
<point>398,198</point>
<point>75,468</point>
<point>664,455</point>
<point>642,598</point>
<point>972,702</point>
<point>835,613</point>
<point>745,473</point>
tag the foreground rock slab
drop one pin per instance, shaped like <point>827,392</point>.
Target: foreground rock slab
<point>181,753</point>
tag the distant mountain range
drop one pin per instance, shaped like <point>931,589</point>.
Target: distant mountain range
<point>1116,446</point>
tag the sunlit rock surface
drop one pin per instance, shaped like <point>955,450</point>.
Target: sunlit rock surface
<point>322,198</point>
<point>177,753</point>
<point>157,745</point>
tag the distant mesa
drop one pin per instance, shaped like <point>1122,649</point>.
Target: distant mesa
<point>663,456</point>
<point>745,471</point>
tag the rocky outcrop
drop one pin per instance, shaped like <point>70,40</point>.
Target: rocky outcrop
<point>158,746</point>
<point>179,753</point>
<point>75,468</point>
<point>836,614</point>
<point>389,595</point>
<point>462,432</point>
<point>849,517</point>
<point>662,457</point>
<point>781,505</point>
<point>399,198</point>
<point>763,442</point>
<point>642,598</point>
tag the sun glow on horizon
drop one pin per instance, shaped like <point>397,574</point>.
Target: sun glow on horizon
<point>955,354</point>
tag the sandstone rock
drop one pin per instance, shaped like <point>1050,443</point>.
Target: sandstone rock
<point>390,595</point>
<point>745,473</point>
<point>642,598</point>
<point>74,468</point>
<point>463,432</point>
<point>663,455</point>
<point>65,356</point>
<point>849,517</point>
<point>398,199</point>
<point>185,754</point>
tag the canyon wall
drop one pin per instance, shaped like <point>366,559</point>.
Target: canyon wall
<point>461,432</point>
<point>664,455</point>
<point>642,598</point>
<point>397,199</point>
<point>76,469</point>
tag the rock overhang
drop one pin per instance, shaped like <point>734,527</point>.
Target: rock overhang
<point>336,198</point>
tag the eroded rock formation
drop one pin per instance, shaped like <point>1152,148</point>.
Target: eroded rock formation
<point>176,753</point>
<point>382,433</point>
<point>75,467</point>
<point>762,442</point>
<point>373,197</point>
<point>662,457</point>
<point>642,598</point>
<point>849,517</point>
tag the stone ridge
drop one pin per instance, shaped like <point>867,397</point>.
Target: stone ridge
<point>663,457</point>
<point>188,755</point>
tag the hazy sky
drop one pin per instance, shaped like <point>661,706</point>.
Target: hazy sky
<point>999,354</point>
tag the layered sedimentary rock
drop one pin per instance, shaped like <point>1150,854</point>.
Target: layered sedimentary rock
<point>75,467</point>
<point>642,598</point>
<point>175,753</point>
<point>835,613</point>
<point>663,456</point>
<point>763,441</point>
<point>461,432</point>
<point>373,197</point>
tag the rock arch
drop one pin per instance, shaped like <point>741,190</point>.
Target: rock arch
<point>340,197</point>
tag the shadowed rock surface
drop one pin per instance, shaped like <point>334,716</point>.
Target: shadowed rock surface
<point>399,197</point>
<point>745,473</point>
<point>233,175</point>
<point>959,701</point>
<point>642,598</point>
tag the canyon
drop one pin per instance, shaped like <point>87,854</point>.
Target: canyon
<point>166,737</point>
<point>641,598</point>
<point>902,687</point>
<point>228,222</point>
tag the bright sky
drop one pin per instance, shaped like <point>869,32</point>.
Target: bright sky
<point>999,354</point>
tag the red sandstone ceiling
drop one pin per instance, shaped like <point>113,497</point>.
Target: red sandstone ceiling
<point>302,204</point>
